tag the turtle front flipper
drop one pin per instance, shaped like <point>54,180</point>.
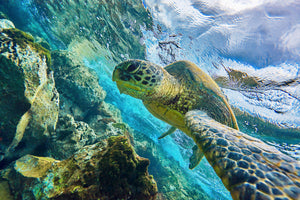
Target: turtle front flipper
<point>196,157</point>
<point>168,132</point>
<point>249,168</point>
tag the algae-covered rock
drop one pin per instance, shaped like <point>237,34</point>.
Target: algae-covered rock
<point>107,170</point>
<point>70,136</point>
<point>84,117</point>
<point>29,100</point>
<point>33,166</point>
<point>77,84</point>
<point>5,23</point>
<point>5,191</point>
<point>103,116</point>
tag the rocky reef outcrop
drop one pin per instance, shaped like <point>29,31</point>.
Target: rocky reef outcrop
<point>86,162</point>
<point>106,170</point>
<point>29,101</point>
<point>84,117</point>
<point>76,83</point>
<point>70,136</point>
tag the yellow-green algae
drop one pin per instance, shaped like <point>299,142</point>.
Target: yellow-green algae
<point>5,191</point>
<point>121,169</point>
<point>113,171</point>
<point>23,39</point>
<point>34,166</point>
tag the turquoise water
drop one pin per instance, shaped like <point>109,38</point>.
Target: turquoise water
<point>259,39</point>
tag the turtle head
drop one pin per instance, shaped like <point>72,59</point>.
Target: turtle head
<point>138,78</point>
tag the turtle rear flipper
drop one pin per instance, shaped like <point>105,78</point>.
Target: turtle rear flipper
<point>197,153</point>
<point>249,168</point>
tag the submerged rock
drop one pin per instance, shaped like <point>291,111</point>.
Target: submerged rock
<point>33,166</point>
<point>109,169</point>
<point>70,136</point>
<point>5,191</point>
<point>84,117</point>
<point>106,170</point>
<point>78,85</point>
<point>29,100</point>
<point>5,23</point>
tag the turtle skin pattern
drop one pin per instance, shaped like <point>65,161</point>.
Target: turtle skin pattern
<point>249,168</point>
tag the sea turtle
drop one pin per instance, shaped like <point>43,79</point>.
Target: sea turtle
<point>170,92</point>
<point>249,168</point>
<point>185,97</point>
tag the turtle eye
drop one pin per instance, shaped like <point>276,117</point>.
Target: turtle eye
<point>132,67</point>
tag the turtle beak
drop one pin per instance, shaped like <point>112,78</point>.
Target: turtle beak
<point>116,77</point>
<point>116,74</point>
<point>124,85</point>
<point>121,89</point>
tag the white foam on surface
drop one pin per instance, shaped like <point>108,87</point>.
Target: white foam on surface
<point>259,37</point>
<point>260,33</point>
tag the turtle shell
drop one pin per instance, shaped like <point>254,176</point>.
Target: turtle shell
<point>198,91</point>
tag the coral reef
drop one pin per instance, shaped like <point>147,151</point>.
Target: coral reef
<point>29,102</point>
<point>109,169</point>
<point>105,170</point>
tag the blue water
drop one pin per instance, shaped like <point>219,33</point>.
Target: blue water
<point>262,39</point>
